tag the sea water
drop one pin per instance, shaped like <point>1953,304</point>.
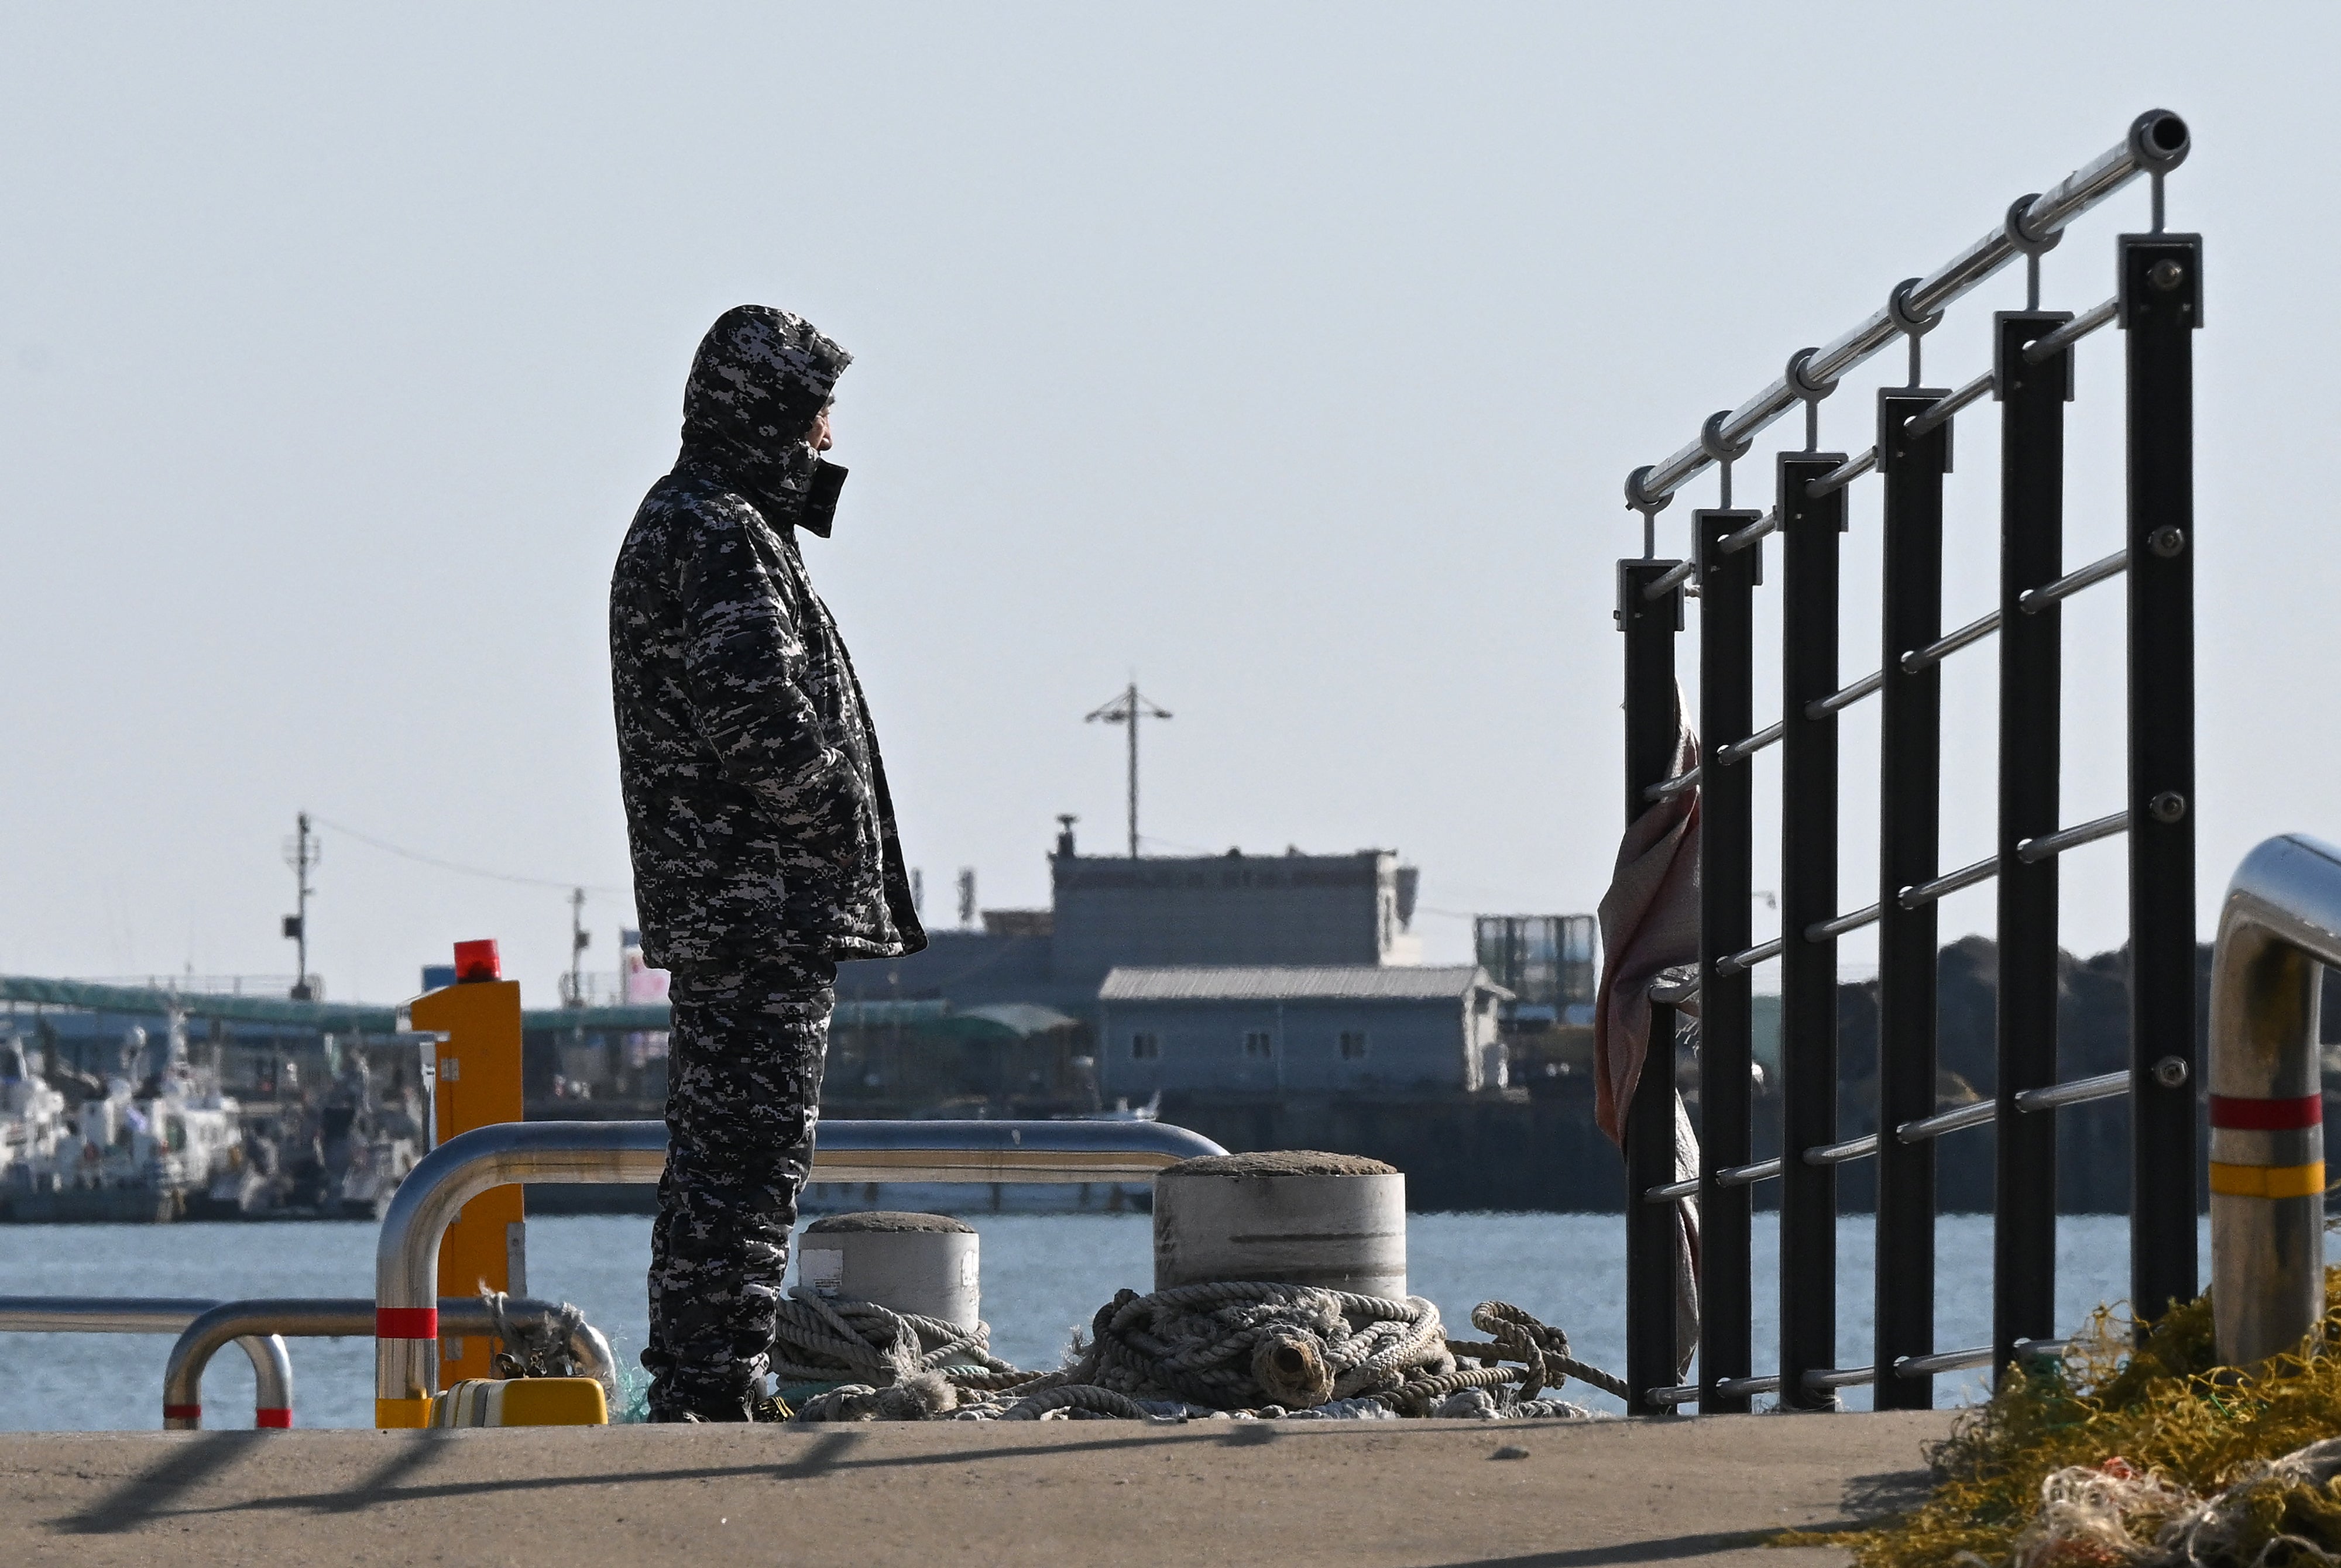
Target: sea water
<point>1044,1276</point>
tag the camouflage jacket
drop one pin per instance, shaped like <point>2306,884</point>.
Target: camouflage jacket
<point>756,802</point>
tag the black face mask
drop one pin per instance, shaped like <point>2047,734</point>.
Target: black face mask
<point>820,497</point>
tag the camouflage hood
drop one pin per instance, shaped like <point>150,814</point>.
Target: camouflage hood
<point>759,379</point>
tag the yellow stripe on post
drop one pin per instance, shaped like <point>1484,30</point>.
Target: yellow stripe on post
<point>393,1414</point>
<point>2267,1181</point>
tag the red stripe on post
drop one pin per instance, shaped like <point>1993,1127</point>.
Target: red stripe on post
<point>2245,1114</point>
<point>277,1415</point>
<point>406,1323</point>
<point>183,1412</point>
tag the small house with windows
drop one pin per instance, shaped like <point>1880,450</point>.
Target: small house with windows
<point>1298,1029</point>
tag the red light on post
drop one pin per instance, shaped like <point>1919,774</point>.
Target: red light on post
<point>476,961</point>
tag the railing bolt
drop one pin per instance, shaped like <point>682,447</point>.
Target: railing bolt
<point>2168,807</point>
<point>2166,275</point>
<point>2168,542</point>
<point>2170,1072</point>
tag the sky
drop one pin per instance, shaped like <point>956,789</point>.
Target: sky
<point>1286,358</point>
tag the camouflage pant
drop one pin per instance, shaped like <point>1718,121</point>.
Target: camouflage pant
<point>743,1094</point>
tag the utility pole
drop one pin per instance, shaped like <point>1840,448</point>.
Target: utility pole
<point>580,939</point>
<point>302,853</point>
<point>1127,709</point>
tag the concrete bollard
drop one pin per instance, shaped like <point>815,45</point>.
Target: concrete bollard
<point>924,1264</point>
<point>1295,1217</point>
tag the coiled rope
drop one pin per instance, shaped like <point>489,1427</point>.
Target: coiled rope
<point>539,1347</point>
<point>1239,1348</point>
<point>821,1340</point>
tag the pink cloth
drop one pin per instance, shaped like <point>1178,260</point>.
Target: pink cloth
<point>1650,922</point>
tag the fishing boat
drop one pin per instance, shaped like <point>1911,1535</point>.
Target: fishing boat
<point>135,1150</point>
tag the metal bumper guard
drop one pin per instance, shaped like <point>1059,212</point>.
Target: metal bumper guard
<point>406,1258</point>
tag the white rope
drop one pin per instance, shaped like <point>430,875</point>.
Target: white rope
<point>1238,1349</point>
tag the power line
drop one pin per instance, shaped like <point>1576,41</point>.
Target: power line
<point>432,860</point>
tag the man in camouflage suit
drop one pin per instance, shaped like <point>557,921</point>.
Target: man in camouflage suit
<point>764,838</point>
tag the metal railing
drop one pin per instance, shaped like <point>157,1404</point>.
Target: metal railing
<point>2157,305</point>
<point>2156,143</point>
<point>336,1317</point>
<point>203,1325</point>
<point>272,1363</point>
<point>407,1324</point>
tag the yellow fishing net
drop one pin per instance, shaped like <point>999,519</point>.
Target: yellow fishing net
<point>2130,1452</point>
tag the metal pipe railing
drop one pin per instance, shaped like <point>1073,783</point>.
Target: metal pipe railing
<point>2080,1091</point>
<point>1822,1378</point>
<point>1732,543</point>
<point>1838,1154</point>
<point>1844,474</point>
<point>2158,304</point>
<point>2156,143</point>
<point>1950,882</point>
<point>2073,332</point>
<point>1934,653</point>
<point>2281,920</point>
<point>1739,749</point>
<point>335,1317</point>
<point>1973,1356</point>
<point>2033,851</point>
<point>1979,1113</point>
<point>1665,788</point>
<point>406,1256</point>
<point>1747,958</point>
<point>1838,926</point>
<point>1941,412</point>
<point>272,1363</point>
<point>2039,599</point>
<point>1845,697</point>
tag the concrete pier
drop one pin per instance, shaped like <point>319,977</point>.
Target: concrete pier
<point>1417,1494</point>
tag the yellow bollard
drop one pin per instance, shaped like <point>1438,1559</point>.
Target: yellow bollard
<point>479,1083</point>
<point>522,1402</point>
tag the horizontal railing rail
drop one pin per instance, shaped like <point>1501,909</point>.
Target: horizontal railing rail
<point>406,1253</point>
<point>337,1317</point>
<point>1821,1379</point>
<point>2156,143</point>
<point>272,1361</point>
<point>1979,1113</point>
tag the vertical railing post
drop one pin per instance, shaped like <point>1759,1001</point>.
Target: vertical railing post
<point>1726,843</point>
<point>2161,308</point>
<point>1653,738</point>
<point>2031,555</point>
<point>1909,843</point>
<point>1810,528</point>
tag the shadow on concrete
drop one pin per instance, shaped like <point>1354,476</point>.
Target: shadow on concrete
<point>414,1456</point>
<point>156,1489</point>
<point>1670,1549</point>
<point>824,1455</point>
<point>1888,1492</point>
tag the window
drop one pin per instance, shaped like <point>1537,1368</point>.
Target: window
<point>1145,1048</point>
<point>1353,1044</point>
<point>1259,1043</point>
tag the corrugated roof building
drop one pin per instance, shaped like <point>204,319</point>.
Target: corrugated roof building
<point>1299,1029</point>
